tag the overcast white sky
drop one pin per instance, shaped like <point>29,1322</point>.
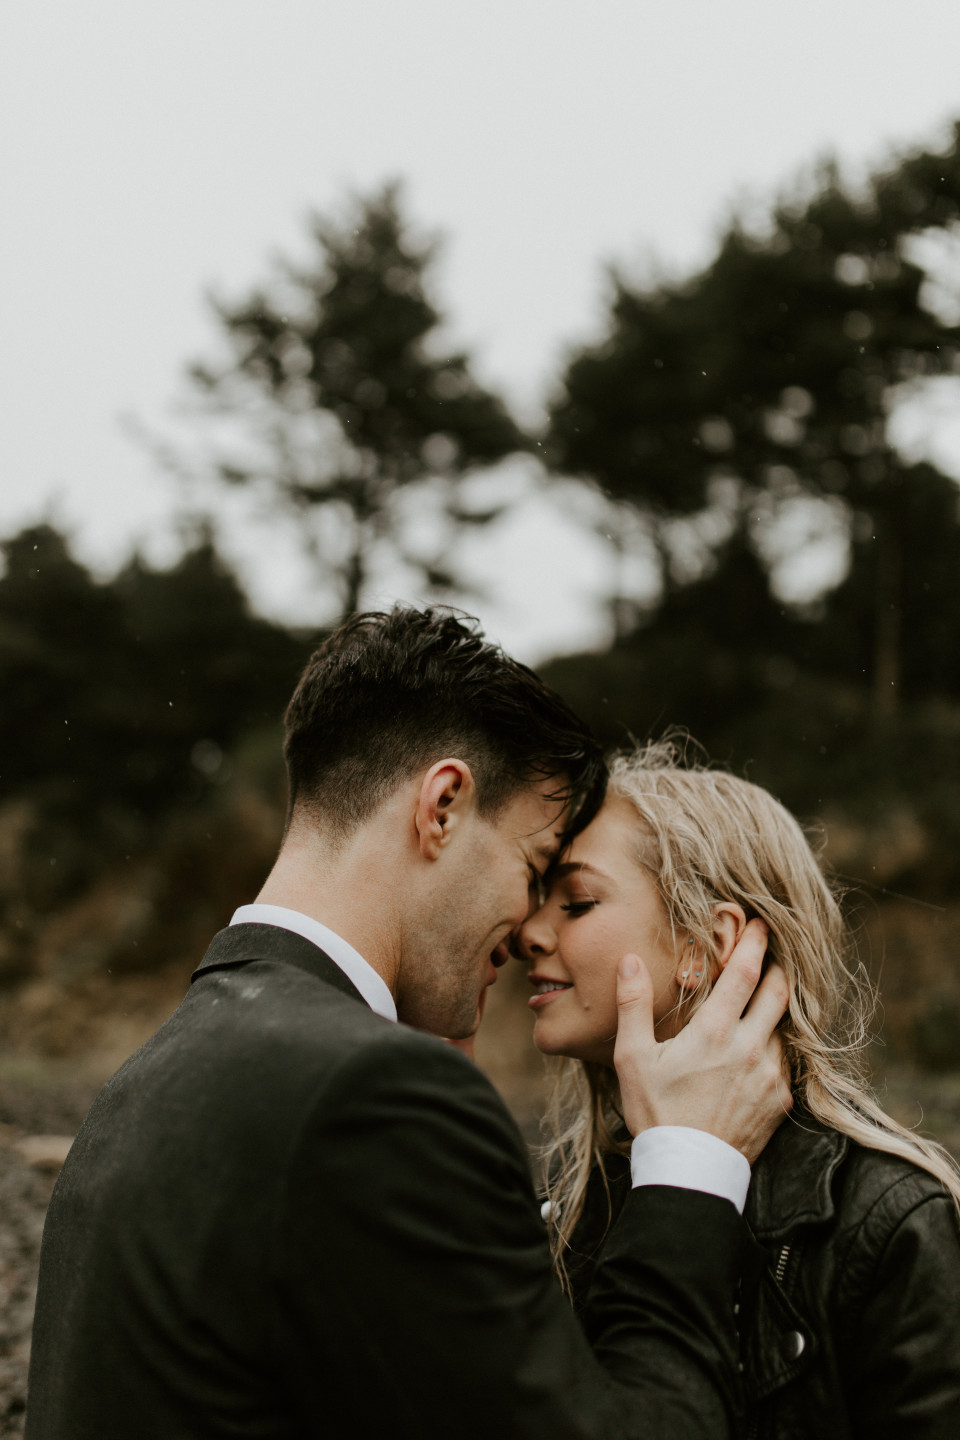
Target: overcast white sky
<point>150,152</point>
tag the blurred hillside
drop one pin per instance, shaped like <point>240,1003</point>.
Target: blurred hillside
<point>141,783</point>
<point>143,794</point>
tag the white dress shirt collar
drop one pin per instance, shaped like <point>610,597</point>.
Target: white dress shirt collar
<point>358,971</point>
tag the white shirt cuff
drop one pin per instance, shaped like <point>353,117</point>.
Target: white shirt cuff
<point>691,1160</point>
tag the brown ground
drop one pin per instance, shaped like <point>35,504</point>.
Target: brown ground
<point>41,1107</point>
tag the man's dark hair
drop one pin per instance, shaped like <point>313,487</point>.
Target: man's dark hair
<point>387,695</point>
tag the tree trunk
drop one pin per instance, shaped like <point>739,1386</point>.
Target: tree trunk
<point>621,609</point>
<point>366,510</point>
<point>888,632</point>
<point>354,575</point>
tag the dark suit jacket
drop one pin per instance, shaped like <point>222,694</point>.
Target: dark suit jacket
<point>288,1217</point>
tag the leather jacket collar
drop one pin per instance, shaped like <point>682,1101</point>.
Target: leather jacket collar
<point>793,1179</point>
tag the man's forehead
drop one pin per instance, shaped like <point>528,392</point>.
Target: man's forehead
<point>539,814</point>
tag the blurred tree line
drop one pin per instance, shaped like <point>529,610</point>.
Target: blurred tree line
<point>734,408</point>
<point>716,422</point>
<point>123,700</point>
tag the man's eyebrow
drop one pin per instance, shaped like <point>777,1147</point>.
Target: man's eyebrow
<point>550,852</point>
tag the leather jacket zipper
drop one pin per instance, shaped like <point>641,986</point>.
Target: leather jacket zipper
<point>782,1263</point>
<point>783,1260</point>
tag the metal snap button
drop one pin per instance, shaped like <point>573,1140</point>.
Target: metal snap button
<point>794,1345</point>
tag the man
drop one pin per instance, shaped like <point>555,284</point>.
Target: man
<point>290,1216</point>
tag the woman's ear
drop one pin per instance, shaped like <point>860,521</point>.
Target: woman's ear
<point>729,923</point>
<point>693,967</point>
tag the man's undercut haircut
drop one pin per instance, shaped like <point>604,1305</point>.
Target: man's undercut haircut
<point>388,695</point>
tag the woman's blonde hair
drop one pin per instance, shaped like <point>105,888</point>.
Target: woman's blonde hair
<point>707,837</point>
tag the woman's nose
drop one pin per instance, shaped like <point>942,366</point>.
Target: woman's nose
<point>535,938</point>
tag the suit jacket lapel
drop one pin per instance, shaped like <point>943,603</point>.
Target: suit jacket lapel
<point>241,944</point>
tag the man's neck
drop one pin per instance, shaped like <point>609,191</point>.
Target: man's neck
<point>343,889</point>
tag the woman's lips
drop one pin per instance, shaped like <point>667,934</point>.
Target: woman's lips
<point>556,987</point>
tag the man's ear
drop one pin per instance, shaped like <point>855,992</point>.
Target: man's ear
<point>729,923</point>
<point>447,796</point>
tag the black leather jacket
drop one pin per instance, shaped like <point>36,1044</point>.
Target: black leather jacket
<point>850,1314</point>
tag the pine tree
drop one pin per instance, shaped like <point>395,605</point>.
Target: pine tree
<point>770,376</point>
<point>353,407</point>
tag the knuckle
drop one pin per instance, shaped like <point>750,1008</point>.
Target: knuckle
<point>777,1050</point>
<point>712,1032</point>
<point>626,1074</point>
<point>754,1054</point>
<point>777,985</point>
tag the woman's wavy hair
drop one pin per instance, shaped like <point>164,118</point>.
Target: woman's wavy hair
<point>706,836</point>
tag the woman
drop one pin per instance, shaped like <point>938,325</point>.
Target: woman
<point>850,1315</point>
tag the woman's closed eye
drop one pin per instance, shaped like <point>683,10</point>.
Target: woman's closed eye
<point>578,907</point>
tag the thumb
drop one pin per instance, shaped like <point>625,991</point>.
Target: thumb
<point>634,1005</point>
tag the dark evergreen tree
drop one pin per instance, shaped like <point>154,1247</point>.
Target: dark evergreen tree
<point>927,515</point>
<point>122,699</point>
<point>351,402</point>
<point>60,634</point>
<point>769,376</point>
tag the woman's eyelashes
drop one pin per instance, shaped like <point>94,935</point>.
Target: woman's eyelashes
<point>578,907</point>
